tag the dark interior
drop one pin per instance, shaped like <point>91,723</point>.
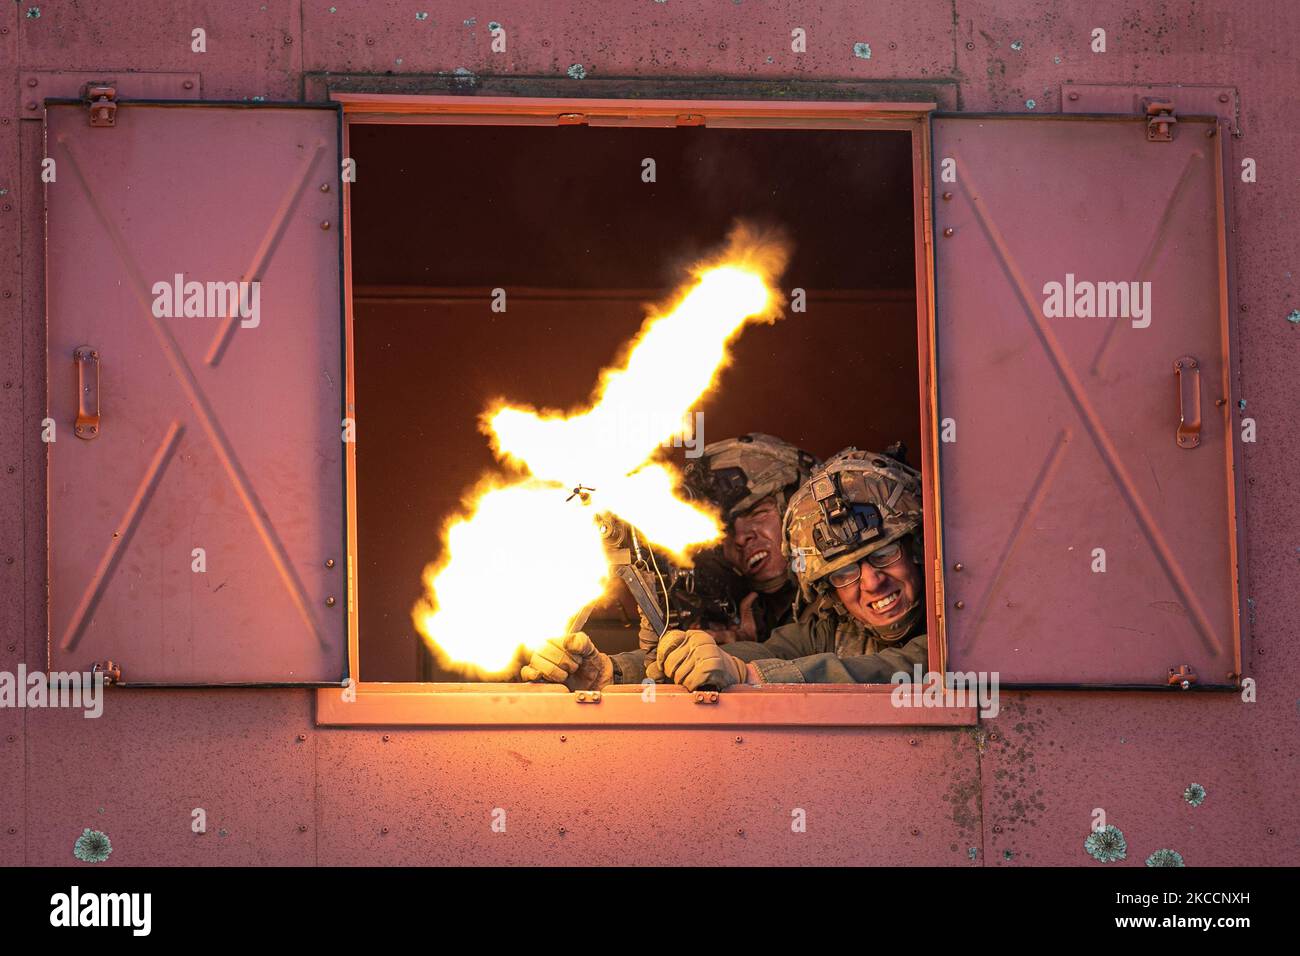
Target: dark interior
<point>560,218</point>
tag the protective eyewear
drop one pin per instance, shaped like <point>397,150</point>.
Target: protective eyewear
<point>879,559</point>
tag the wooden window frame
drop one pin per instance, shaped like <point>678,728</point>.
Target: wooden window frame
<point>373,703</point>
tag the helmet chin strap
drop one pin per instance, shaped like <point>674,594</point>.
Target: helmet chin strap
<point>891,633</point>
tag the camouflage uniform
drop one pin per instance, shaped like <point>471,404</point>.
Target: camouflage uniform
<point>775,609</point>
<point>858,503</point>
<point>629,667</point>
<point>735,475</point>
<point>832,649</point>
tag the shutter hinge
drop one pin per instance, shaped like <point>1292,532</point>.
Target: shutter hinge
<point>1160,121</point>
<point>938,589</point>
<point>1184,677</point>
<point>706,697</point>
<point>112,672</point>
<point>103,104</point>
<point>588,696</point>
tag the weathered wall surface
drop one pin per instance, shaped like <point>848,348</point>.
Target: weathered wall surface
<point>1020,789</point>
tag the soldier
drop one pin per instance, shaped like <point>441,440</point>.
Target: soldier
<point>853,535</point>
<point>750,480</point>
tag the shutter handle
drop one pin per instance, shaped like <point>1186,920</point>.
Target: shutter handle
<point>87,361</point>
<point>1188,371</point>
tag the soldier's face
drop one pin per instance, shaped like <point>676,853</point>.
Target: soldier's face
<point>883,595</point>
<point>753,545</point>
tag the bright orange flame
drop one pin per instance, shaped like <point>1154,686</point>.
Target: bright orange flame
<point>607,448</point>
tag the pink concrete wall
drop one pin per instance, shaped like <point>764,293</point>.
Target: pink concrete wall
<point>1021,788</point>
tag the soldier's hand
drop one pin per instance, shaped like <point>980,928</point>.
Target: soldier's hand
<point>694,659</point>
<point>571,660</point>
<point>728,636</point>
<point>746,630</point>
<point>648,638</point>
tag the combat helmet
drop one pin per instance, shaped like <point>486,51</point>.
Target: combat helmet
<point>737,473</point>
<point>856,503</point>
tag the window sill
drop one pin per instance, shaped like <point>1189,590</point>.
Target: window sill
<point>532,705</point>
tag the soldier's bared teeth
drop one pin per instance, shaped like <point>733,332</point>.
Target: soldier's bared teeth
<point>885,603</point>
<point>758,559</point>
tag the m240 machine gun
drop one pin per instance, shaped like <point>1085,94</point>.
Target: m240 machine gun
<point>670,596</point>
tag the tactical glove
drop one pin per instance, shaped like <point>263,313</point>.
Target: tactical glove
<point>571,660</point>
<point>694,659</point>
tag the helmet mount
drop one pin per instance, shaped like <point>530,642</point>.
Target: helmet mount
<point>847,524</point>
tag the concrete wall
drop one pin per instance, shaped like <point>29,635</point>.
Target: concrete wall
<point>1019,789</point>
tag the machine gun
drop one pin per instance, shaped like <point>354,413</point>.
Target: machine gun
<point>706,595</point>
